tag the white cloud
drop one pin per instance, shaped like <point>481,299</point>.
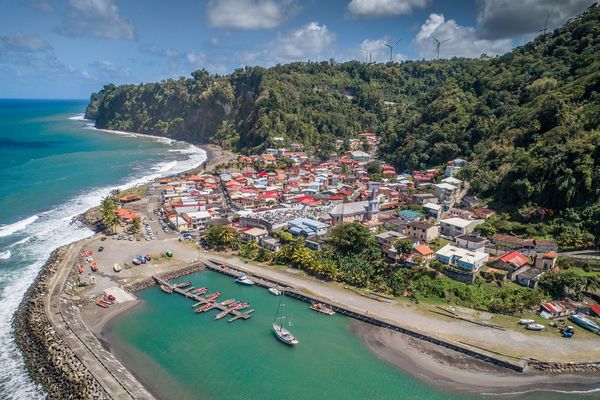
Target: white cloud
<point>383,8</point>
<point>160,52</point>
<point>106,71</point>
<point>20,42</point>
<point>377,51</point>
<point>508,18</point>
<point>28,55</point>
<point>97,18</point>
<point>307,42</point>
<point>249,14</point>
<point>40,5</point>
<point>464,40</point>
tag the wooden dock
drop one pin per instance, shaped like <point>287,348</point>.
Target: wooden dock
<point>200,300</point>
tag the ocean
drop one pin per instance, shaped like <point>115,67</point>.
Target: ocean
<point>182,355</point>
<point>55,165</point>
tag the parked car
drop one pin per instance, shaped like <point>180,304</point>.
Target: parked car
<point>101,248</point>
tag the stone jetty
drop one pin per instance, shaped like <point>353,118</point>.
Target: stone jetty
<point>49,360</point>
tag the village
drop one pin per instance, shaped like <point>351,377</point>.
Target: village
<point>423,218</point>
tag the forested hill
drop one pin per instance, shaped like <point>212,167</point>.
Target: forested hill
<point>528,120</point>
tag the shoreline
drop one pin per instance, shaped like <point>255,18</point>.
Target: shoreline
<point>63,375</point>
<point>425,362</point>
<point>450,371</point>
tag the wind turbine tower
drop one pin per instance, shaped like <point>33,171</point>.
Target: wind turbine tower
<point>392,49</point>
<point>438,43</point>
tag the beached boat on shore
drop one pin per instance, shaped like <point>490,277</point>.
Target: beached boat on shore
<point>117,267</point>
<point>585,323</point>
<point>535,327</point>
<point>526,321</point>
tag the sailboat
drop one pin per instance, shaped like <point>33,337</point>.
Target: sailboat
<point>282,333</point>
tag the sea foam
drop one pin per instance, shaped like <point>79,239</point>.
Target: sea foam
<point>35,238</point>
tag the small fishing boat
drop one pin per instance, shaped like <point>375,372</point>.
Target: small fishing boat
<point>322,308</point>
<point>274,291</point>
<point>166,289</point>
<point>94,266</point>
<point>81,269</point>
<point>526,321</point>
<point>228,302</point>
<point>201,290</point>
<point>221,314</point>
<point>183,284</point>
<point>585,323</point>
<point>242,279</point>
<point>117,267</point>
<point>535,327</point>
<point>203,308</point>
<point>102,304</point>
<point>213,296</point>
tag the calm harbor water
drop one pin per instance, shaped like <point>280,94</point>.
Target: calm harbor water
<point>54,166</point>
<point>180,354</point>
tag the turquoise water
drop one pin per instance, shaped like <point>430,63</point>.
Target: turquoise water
<point>181,354</point>
<point>53,167</point>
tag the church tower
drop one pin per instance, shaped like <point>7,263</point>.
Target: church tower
<point>372,207</point>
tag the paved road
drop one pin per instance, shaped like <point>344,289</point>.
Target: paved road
<point>509,342</point>
<point>65,318</point>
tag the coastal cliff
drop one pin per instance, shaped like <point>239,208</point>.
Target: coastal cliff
<point>527,121</point>
<point>49,360</point>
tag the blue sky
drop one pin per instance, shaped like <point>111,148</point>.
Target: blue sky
<point>70,48</point>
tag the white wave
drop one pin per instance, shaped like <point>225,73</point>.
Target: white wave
<point>78,117</point>
<point>523,392</point>
<point>165,167</point>
<point>8,230</point>
<point>22,241</point>
<point>5,255</point>
<point>49,230</point>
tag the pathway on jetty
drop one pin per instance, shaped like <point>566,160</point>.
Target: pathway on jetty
<point>118,382</point>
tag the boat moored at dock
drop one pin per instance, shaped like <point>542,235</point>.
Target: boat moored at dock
<point>274,292</point>
<point>242,279</point>
<point>166,289</point>
<point>322,308</point>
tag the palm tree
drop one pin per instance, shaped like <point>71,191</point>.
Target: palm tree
<point>592,283</point>
<point>109,218</point>
<point>136,225</point>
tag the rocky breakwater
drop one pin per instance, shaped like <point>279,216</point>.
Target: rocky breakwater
<point>49,360</point>
<point>563,368</point>
<point>148,282</point>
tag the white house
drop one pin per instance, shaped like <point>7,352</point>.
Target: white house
<point>457,226</point>
<point>432,210</point>
<point>468,260</point>
<point>452,181</point>
<point>444,190</point>
<point>361,156</point>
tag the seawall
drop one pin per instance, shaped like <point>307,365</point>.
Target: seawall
<point>49,359</point>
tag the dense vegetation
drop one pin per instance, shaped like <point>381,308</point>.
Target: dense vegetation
<point>528,120</point>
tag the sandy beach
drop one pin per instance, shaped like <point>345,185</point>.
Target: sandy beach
<point>452,371</point>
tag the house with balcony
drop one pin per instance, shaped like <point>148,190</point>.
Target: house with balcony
<point>457,226</point>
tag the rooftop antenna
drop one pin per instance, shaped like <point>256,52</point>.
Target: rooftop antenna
<point>438,43</point>
<point>366,57</point>
<point>545,28</point>
<point>392,48</point>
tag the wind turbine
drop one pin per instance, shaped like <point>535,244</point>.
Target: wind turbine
<point>438,43</point>
<point>392,48</point>
<point>545,28</point>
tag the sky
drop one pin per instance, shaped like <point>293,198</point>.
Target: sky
<point>71,48</point>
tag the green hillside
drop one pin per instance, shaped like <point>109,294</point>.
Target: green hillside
<point>528,121</point>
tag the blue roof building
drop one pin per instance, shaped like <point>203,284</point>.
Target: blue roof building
<point>307,227</point>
